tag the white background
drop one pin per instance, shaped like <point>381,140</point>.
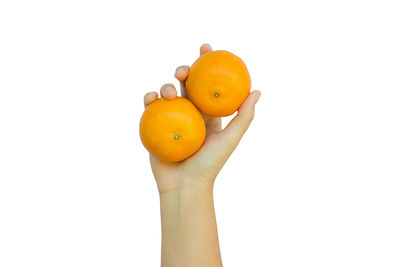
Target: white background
<point>315,181</point>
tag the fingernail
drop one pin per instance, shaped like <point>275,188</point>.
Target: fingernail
<point>257,97</point>
<point>178,69</point>
<point>165,87</point>
<point>150,93</point>
<point>170,90</point>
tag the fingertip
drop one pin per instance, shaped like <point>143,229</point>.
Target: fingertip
<point>168,91</point>
<point>205,48</point>
<point>252,98</point>
<point>149,97</point>
<point>250,101</point>
<point>257,95</point>
<point>182,72</point>
<point>150,93</point>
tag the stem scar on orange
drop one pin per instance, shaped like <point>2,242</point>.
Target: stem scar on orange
<point>172,130</point>
<point>218,83</point>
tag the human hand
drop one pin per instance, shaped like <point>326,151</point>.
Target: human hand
<point>200,170</point>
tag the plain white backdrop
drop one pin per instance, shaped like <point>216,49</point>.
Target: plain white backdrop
<point>314,182</point>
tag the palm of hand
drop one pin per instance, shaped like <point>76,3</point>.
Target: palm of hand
<point>200,170</point>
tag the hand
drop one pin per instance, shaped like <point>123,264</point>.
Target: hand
<point>200,170</point>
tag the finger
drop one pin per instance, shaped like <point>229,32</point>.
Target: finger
<point>204,49</point>
<point>213,124</point>
<point>236,128</point>
<point>215,151</point>
<point>149,97</point>
<point>181,74</point>
<point>168,91</point>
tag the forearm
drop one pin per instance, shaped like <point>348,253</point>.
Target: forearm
<point>189,229</point>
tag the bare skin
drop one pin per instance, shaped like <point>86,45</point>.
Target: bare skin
<point>189,229</point>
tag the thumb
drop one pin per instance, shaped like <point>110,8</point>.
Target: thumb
<point>236,128</point>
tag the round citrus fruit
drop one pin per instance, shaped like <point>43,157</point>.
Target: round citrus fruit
<point>218,83</point>
<point>172,130</point>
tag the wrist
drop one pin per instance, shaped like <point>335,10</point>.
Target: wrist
<point>189,231</point>
<point>186,195</point>
<point>179,208</point>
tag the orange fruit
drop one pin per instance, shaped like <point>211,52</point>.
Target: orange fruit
<point>218,83</point>
<point>172,130</point>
